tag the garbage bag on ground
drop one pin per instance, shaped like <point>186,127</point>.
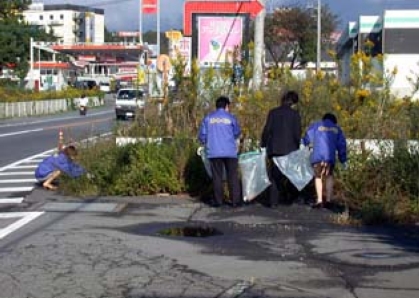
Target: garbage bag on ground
<point>296,167</point>
<point>254,176</point>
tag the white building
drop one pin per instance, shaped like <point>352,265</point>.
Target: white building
<point>70,23</point>
<point>395,36</point>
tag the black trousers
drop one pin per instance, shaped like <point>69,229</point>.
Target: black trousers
<point>281,190</point>
<point>231,167</point>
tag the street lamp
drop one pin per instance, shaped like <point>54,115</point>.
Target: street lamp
<point>319,35</point>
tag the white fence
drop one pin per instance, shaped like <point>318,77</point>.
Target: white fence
<point>41,107</point>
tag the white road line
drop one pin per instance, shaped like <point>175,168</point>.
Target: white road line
<point>55,119</point>
<point>18,181</point>
<point>11,200</point>
<point>38,160</point>
<point>16,189</point>
<point>20,132</point>
<point>26,217</point>
<point>24,167</point>
<point>16,173</point>
<point>25,160</point>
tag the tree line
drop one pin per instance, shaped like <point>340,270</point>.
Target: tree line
<point>15,36</point>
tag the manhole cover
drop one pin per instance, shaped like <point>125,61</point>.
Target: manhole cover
<point>190,232</point>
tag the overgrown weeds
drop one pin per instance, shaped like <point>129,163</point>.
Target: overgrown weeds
<point>376,188</point>
<point>168,166</point>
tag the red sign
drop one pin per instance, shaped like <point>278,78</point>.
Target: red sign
<point>252,7</point>
<point>150,6</point>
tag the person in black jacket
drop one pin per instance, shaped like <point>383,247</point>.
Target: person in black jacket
<point>281,135</point>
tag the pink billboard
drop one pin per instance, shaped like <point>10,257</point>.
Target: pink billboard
<point>217,38</point>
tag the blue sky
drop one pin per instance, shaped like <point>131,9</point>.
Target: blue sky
<point>122,15</point>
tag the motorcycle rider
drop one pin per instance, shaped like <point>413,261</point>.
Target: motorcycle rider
<point>83,103</point>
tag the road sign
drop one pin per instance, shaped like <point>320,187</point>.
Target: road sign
<point>174,35</point>
<point>252,7</point>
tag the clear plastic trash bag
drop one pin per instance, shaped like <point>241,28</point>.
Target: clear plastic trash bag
<point>297,167</point>
<point>201,152</point>
<point>254,176</point>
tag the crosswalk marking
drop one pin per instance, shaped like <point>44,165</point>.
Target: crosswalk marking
<point>25,218</point>
<point>18,178</point>
<point>16,173</point>
<point>25,167</point>
<point>11,200</point>
<point>16,189</point>
<point>33,180</point>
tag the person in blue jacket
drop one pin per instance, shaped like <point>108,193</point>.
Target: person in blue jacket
<point>218,133</point>
<point>53,166</point>
<point>326,139</point>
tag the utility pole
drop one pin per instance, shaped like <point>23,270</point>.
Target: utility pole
<point>259,48</point>
<point>319,36</point>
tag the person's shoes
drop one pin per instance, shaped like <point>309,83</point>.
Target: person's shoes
<point>236,205</point>
<point>334,206</point>
<point>317,205</point>
<point>328,205</point>
<point>214,204</point>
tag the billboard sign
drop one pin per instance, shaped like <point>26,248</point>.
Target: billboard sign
<point>218,37</point>
<point>182,47</point>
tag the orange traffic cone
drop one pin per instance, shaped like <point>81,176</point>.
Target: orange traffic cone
<point>60,140</point>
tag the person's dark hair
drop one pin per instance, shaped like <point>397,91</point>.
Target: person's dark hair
<point>330,117</point>
<point>289,98</point>
<point>70,151</point>
<point>222,102</point>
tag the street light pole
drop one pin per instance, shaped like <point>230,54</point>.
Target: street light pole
<point>319,35</point>
<point>259,48</point>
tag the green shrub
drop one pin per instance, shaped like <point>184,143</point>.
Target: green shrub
<point>139,169</point>
<point>16,94</point>
<point>381,188</point>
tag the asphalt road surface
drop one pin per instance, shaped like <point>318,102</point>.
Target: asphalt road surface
<point>23,137</point>
<point>24,142</point>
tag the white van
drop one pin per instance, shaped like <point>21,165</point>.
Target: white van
<point>105,87</point>
<point>128,101</point>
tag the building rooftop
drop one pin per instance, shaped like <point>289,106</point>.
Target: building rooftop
<point>51,7</point>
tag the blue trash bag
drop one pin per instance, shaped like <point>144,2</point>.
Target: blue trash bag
<point>254,176</point>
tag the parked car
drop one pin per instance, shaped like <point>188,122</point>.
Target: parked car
<point>105,87</point>
<point>128,101</point>
<point>86,84</point>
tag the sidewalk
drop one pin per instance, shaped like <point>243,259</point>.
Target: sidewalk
<point>290,252</point>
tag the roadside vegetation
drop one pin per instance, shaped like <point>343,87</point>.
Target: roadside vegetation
<point>13,93</point>
<point>377,188</point>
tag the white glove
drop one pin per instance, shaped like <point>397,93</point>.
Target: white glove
<point>345,166</point>
<point>302,146</point>
<point>199,151</point>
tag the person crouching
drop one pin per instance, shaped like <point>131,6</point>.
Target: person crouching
<point>53,166</point>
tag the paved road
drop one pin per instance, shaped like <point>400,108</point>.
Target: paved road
<point>26,141</point>
<point>110,247</point>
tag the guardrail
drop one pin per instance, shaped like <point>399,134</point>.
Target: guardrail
<point>42,107</point>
